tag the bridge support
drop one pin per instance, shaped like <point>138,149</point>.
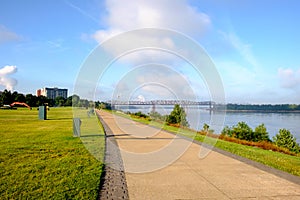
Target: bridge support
<point>153,107</point>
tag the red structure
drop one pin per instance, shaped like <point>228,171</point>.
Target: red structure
<point>20,103</point>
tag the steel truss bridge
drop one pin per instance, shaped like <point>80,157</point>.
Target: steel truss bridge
<point>164,102</point>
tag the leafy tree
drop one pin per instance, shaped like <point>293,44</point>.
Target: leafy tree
<point>75,100</point>
<point>285,139</point>
<point>103,105</point>
<point>227,131</point>
<point>242,131</point>
<point>20,98</point>
<point>177,116</point>
<point>84,103</point>
<point>59,101</point>
<point>31,100</point>
<point>260,134</point>
<point>6,97</point>
<point>69,101</point>
<point>140,114</point>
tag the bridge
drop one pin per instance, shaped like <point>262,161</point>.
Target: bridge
<point>210,104</point>
<point>164,102</point>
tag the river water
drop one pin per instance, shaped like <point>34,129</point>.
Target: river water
<point>198,116</point>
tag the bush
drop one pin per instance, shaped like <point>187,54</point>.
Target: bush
<point>285,139</point>
<point>157,116</point>
<point>261,134</point>
<point>244,132</point>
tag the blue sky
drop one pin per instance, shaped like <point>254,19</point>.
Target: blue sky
<point>253,44</point>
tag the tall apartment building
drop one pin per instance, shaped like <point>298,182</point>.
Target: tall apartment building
<point>52,93</point>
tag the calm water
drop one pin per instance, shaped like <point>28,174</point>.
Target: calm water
<point>197,117</point>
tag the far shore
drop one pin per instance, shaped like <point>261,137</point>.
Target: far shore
<point>261,111</point>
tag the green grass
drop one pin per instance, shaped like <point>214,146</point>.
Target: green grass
<point>284,162</point>
<point>40,159</point>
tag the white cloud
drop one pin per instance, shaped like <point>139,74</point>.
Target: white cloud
<point>7,35</point>
<point>243,48</point>
<point>8,70</point>
<point>289,78</point>
<point>6,81</point>
<point>154,82</point>
<point>167,14</point>
<point>130,15</point>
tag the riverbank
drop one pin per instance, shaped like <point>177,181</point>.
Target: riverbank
<point>259,111</point>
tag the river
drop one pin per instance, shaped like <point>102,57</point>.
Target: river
<point>197,117</point>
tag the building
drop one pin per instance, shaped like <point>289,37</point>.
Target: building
<point>52,93</point>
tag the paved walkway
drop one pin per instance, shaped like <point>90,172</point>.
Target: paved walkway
<point>148,156</point>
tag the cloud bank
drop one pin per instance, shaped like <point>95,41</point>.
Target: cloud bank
<point>168,14</point>
<point>6,81</point>
<point>289,78</point>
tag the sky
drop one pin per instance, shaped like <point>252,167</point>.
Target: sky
<point>254,46</point>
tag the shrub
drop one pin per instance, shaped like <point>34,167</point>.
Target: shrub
<point>226,131</point>
<point>242,131</point>
<point>285,139</point>
<point>260,134</point>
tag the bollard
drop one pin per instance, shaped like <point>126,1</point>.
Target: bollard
<point>76,127</point>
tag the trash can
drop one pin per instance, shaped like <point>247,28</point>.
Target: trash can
<point>76,127</point>
<point>42,113</point>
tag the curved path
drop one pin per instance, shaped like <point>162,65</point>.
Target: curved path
<point>216,176</point>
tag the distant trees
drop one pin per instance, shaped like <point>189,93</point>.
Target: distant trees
<point>265,107</point>
<point>7,98</point>
<point>103,105</point>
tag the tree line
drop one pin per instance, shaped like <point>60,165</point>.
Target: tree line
<point>8,97</point>
<point>263,107</point>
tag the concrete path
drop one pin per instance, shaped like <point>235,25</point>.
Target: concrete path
<point>154,168</point>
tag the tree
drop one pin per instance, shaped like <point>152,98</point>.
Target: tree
<point>6,97</point>
<point>178,116</point>
<point>31,100</point>
<point>242,131</point>
<point>227,131</point>
<point>59,101</point>
<point>20,98</point>
<point>205,127</point>
<point>75,100</point>
<point>260,134</point>
<point>69,101</point>
<point>285,139</point>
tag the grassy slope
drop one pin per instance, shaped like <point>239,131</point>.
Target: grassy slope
<point>287,163</point>
<point>42,160</point>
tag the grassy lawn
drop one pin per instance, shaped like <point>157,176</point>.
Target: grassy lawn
<point>284,162</point>
<point>40,159</point>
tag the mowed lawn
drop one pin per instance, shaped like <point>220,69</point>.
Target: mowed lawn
<point>40,159</point>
